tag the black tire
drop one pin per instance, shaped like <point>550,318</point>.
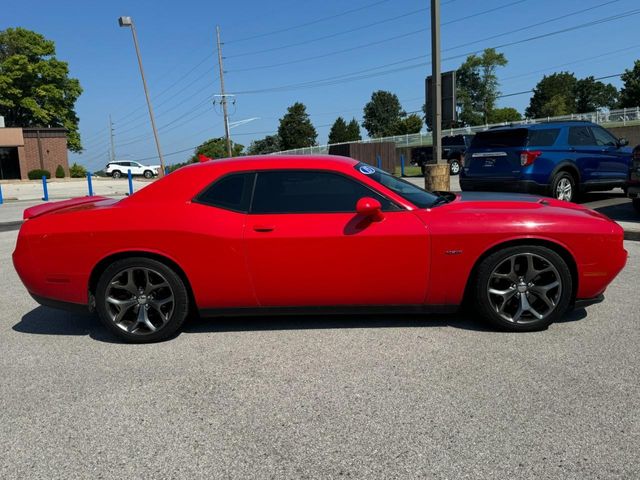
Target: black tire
<point>116,174</point>
<point>148,174</point>
<point>167,321</point>
<point>636,204</point>
<point>454,166</point>
<point>498,308</point>
<point>564,185</point>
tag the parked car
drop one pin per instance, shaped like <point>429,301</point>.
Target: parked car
<point>120,167</point>
<point>633,185</point>
<point>453,150</point>
<point>311,234</point>
<point>559,159</point>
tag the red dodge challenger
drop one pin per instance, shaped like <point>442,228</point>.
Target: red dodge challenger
<point>322,234</point>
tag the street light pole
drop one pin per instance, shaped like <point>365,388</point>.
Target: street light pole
<point>128,22</point>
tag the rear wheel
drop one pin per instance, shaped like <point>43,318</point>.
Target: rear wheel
<point>116,174</point>
<point>141,300</point>
<point>563,187</point>
<point>454,166</point>
<point>523,288</point>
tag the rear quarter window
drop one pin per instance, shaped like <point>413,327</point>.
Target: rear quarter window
<point>516,137</point>
<point>543,138</point>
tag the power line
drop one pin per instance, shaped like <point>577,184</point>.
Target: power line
<point>352,76</point>
<point>313,22</point>
<point>414,32</point>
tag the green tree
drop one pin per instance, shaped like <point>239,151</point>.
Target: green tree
<point>268,144</point>
<point>353,131</point>
<point>295,129</point>
<point>217,148</point>
<point>592,95</point>
<point>382,114</point>
<point>630,92</point>
<point>478,86</point>
<point>553,95</point>
<point>506,114</point>
<point>410,124</point>
<point>35,87</point>
<point>338,132</point>
<point>60,172</point>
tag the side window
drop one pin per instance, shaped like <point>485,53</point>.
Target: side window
<point>543,138</point>
<point>580,136</point>
<point>309,192</point>
<point>604,138</point>
<point>232,192</point>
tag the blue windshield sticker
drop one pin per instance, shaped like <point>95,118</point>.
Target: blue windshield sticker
<point>367,170</point>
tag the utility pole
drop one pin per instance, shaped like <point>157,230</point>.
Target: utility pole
<point>113,148</point>
<point>223,97</point>
<point>128,22</point>
<point>436,85</point>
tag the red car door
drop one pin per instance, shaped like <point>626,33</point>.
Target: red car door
<point>306,246</point>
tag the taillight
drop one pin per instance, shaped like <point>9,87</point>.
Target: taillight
<point>528,157</point>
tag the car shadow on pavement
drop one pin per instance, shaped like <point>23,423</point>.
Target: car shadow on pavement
<point>47,321</point>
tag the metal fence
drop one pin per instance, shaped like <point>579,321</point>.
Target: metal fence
<point>621,117</point>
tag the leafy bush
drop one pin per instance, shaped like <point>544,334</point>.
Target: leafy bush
<point>38,173</point>
<point>77,171</point>
<point>60,172</point>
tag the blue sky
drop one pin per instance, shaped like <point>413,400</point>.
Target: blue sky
<point>388,48</point>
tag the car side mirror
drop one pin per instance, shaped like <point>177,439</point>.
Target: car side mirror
<point>623,142</point>
<point>370,208</point>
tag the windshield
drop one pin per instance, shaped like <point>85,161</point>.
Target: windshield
<point>420,198</point>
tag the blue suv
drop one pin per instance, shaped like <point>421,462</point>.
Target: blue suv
<point>559,159</point>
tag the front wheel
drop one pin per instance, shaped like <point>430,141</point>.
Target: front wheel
<point>141,300</point>
<point>454,166</point>
<point>148,174</point>
<point>116,174</point>
<point>523,288</point>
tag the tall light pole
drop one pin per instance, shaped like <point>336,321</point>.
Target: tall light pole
<point>128,22</point>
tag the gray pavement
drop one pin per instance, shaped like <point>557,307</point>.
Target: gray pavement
<point>312,397</point>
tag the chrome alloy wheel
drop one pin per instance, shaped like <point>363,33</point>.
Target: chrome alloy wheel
<point>139,300</point>
<point>564,190</point>
<point>455,167</point>
<point>524,288</point>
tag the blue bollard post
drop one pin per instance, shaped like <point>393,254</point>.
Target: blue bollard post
<point>1,199</point>
<point>90,184</point>
<point>402,165</point>
<point>166,170</point>
<point>130,177</point>
<point>44,189</point>
<point>379,160</point>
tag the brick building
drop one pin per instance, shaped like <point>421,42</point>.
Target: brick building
<point>26,149</point>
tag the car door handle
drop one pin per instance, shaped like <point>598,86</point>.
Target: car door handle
<point>263,228</point>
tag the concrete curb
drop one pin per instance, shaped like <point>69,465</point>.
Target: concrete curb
<point>8,226</point>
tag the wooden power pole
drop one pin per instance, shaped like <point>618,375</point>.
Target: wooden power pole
<point>223,96</point>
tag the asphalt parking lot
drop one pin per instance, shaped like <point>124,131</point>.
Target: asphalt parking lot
<point>309,397</point>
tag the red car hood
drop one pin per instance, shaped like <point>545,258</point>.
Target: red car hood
<point>514,204</point>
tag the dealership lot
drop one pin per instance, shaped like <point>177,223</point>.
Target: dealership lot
<point>311,397</point>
